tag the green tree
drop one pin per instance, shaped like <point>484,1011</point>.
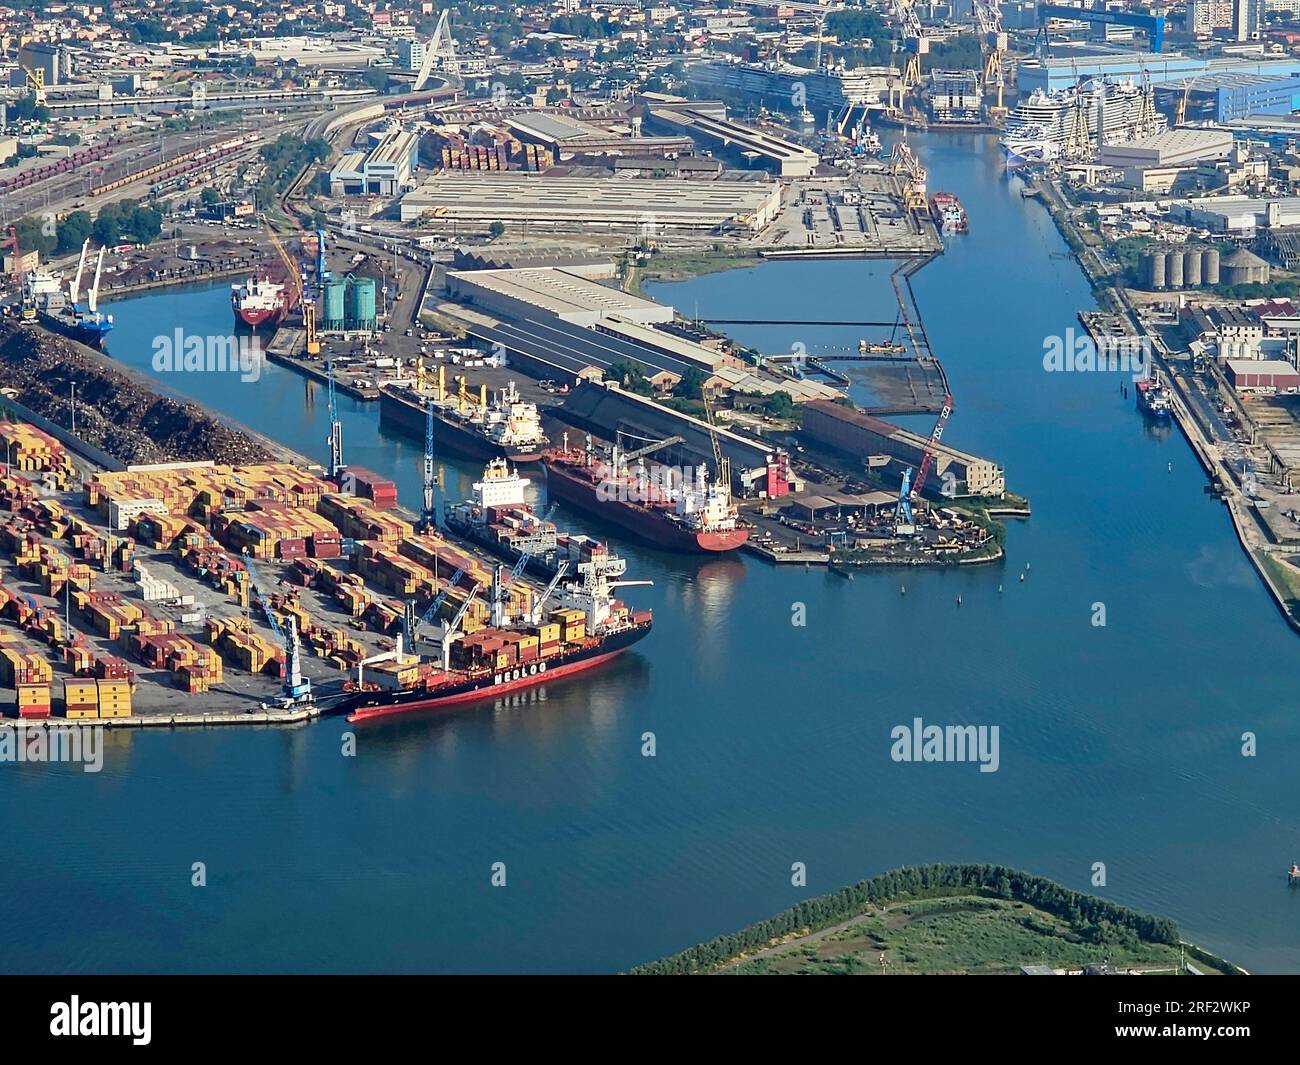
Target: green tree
<point>691,385</point>
<point>73,231</point>
<point>497,229</point>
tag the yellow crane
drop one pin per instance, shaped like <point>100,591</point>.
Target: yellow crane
<point>295,278</point>
<point>1180,114</point>
<point>36,80</point>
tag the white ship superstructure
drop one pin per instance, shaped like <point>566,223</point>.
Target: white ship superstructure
<point>1074,123</point>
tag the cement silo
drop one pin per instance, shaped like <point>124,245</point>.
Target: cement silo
<point>332,318</point>
<point>1210,266</point>
<point>1192,268</point>
<point>1174,269</point>
<point>1155,268</point>
<point>361,304</point>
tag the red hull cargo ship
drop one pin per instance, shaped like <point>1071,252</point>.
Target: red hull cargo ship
<point>260,301</point>
<point>586,628</point>
<point>652,504</point>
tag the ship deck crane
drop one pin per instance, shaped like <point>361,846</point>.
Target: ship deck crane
<point>297,688</point>
<point>535,615</point>
<point>500,587</point>
<point>658,445</point>
<point>412,624</point>
<point>450,628</point>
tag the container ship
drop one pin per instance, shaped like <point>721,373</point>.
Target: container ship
<point>498,518</point>
<point>586,628</point>
<point>260,301</point>
<point>504,426</point>
<point>696,516</point>
<point>1153,399</point>
<point>44,296</point>
<point>948,213</point>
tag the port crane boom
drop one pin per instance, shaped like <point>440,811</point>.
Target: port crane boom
<point>535,615</point>
<point>449,630</point>
<point>927,459</point>
<point>414,624</point>
<point>296,686</point>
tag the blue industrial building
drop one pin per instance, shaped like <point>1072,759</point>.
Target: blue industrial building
<point>1058,73</point>
<point>1223,96</point>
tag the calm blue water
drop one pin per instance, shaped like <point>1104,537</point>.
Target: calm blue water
<point>1118,745</point>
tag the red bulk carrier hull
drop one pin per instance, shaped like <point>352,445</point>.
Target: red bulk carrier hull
<point>570,483</point>
<point>463,688</point>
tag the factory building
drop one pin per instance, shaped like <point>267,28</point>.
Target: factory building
<point>1261,375</point>
<point>566,138</point>
<point>1237,216</point>
<point>1228,95</point>
<point>525,293</point>
<point>639,205</point>
<point>1056,73</point>
<point>45,57</point>
<point>1172,148</point>
<point>385,170</point>
<point>860,435</point>
<point>1235,332</point>
<point>756,147</point>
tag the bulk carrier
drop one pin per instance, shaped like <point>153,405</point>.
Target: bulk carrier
<point>260,301</point>
<point>948,213</point>
<point>44,298</point>
<point>587,627</point>
<point>652,504</point>
<point>504,426</point>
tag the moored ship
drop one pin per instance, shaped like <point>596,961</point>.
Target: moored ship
<point>1153,399</point>
<point>654,504</point>
<point>57,309</point>
<point>503,426</point>
<point>498,518</point>
<point>259,301</point>
<point>948,213</point>
<point>586,628</point>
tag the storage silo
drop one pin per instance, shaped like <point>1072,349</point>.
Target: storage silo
<point>335,293</point>
<point>1174,269</point>
<point>1192,268</point>
<point>361,304</point>
<point>1210,266</point>
<point>1155,265</point>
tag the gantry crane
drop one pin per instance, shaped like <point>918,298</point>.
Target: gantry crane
<point>35,79</point>
<point>306,302</point>
<point>916,46</point>
<point>903,163</point>
<point>904,521</point>
<point>993,40</point>
<point>336,465</point>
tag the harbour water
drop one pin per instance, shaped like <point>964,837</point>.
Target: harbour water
<point>1119,744</point>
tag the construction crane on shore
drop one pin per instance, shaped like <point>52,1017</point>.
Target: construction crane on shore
<point>904,520</point>
<point>722,464</point>
<point>297,688</point>
<point>927,458</point>
<point>27,308</point>
<point>904,164</point>
<point>35,80</point>
<point>993,40</point>
<point>294,275</point>
<point>915,44</point>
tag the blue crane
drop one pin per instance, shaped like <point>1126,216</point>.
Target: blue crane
<point>903,508</point>
<point>1153,25</point>
<point>336,426</point>
<point>429,518</point>
<point>296,686</point>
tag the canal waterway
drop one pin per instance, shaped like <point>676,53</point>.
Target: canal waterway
<point>1119,744</point>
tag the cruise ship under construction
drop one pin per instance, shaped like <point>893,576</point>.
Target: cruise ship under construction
<point>1073,123</point>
